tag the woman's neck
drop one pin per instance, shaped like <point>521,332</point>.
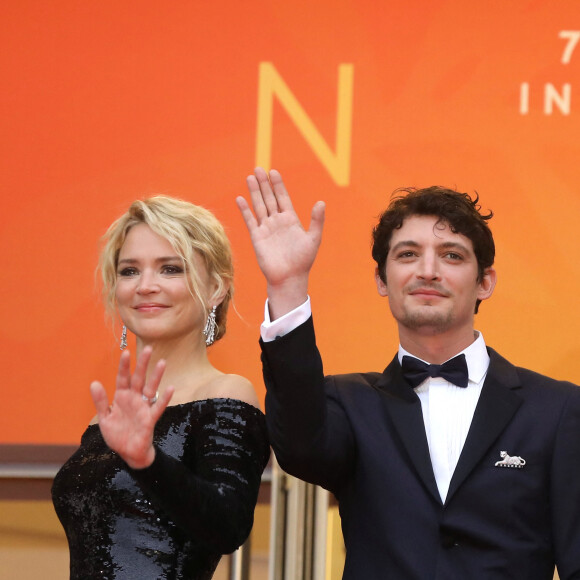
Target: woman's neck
<point>186,362</point>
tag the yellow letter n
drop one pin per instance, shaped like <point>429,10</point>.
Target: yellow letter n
<point>271,85</point>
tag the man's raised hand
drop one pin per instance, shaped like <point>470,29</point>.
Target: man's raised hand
<point>284,249</point>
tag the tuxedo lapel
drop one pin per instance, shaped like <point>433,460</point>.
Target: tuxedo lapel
<point>404,408</point>
<point>497,404</point>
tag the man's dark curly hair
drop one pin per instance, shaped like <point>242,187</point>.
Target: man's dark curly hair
<point>459,210</point>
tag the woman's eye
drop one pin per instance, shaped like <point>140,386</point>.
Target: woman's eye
<point>172,270</point>
<point>127,272</point>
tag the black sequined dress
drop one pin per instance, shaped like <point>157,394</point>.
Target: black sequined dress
<point>175,518</point>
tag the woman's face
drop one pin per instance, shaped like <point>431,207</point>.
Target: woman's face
<point>152,294</point>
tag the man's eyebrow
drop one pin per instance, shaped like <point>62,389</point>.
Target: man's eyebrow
<point>452,245</point>
<point>442,245</point>
<point>405,244</point>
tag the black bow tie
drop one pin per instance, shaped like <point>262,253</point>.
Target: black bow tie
<point>454,370</point>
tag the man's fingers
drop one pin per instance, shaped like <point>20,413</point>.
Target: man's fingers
<point>317,220</point>
<point>284,203</point>
<point>258,204</point>
<point>268,196</point>
<point>247,215</point>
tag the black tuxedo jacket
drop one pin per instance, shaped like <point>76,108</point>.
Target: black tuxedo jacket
<point>362,437</point>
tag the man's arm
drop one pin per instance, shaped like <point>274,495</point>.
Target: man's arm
<point>308,428</point>
<point>565,490</point>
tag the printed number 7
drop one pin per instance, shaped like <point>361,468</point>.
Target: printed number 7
<point>573,36</point>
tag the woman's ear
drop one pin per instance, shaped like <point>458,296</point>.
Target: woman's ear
<point>218,291</point>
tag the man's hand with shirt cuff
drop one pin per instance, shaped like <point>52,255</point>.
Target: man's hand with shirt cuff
<point>270,331</point>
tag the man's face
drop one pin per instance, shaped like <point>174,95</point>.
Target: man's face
<point>431,278</point>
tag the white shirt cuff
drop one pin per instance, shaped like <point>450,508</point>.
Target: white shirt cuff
<point>271,330</point>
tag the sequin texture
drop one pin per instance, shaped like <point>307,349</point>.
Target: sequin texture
<point>175,518</point>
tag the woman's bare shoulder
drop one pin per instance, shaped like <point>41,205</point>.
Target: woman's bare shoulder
<point>228,386</point>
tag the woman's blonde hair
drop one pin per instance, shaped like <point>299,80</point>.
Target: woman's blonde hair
<point>189,229</point>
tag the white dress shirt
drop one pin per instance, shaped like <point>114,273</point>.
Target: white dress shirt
<point>447,409</point>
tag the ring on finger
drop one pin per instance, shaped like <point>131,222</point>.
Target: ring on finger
<point>151,400</point>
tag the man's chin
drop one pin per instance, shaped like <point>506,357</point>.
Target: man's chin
<point>428,322</point>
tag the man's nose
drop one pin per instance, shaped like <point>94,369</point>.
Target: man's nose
<point>429,267</point>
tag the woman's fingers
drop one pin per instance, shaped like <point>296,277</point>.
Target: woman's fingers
<point>140,374</point>
<point>152,386</point>
<point>147,391</point>
<point>161,404</point>
<point>99,396</point>
<point>124,372</point>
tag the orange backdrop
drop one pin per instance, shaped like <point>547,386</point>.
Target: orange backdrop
<point>104,102</point>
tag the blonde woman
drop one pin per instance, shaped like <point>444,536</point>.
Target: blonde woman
<point>166,477</point>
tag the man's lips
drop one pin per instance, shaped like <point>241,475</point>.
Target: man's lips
<point>430,292</point>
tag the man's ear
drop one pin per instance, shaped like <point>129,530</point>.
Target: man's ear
<point>487,284</point>
<point>381,286</point>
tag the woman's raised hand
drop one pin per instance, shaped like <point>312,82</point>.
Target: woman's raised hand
<point>127,424</point>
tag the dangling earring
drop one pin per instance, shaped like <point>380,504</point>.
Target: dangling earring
<point>210,328</point>
<point>123,344</point>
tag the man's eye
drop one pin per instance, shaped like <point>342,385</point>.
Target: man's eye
<point>453,256</point>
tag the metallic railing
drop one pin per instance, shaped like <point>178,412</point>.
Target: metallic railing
<point>297,529</point>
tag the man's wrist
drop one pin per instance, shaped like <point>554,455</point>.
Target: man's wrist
<point>283,298</point>
<point>270,330</point>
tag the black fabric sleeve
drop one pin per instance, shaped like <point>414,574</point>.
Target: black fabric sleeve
<point>565,490</point>
<point>308,427</point>
<point>212,495</point>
